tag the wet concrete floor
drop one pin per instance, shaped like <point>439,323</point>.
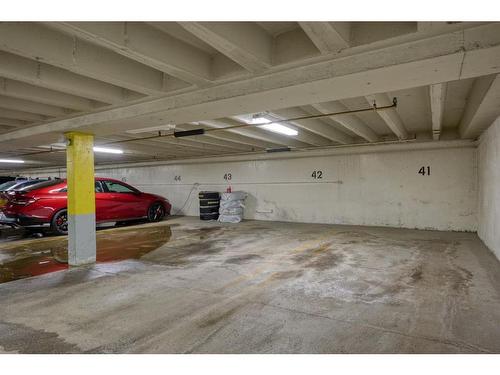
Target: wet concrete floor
<point>29,258</point>
<point>186,286</point>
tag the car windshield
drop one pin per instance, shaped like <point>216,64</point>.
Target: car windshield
<point>22,184</point>
<point>8,184</point>
<point>37,184</point>
<point>19,184</point>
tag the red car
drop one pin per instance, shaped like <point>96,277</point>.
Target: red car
<point>45,204</point>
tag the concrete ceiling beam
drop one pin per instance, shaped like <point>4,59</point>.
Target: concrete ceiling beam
<point>12,123</point>
<point>223,138</point>
<point>437,94</point>
<point>304,135</point>
<point>237,138</point>
<point>147,45</point>
<point>5,127</point>
<point>32,107</point>
<point>153,147</point>
<point>209,140</point>
<point>147,147</point>
<point>315,126</point>
<point>433,59</point>
<point>267,138</point>
<point>350,122</point>
<point>191,143</point>
<point>482,106</point>
<point>255,132</point>
<point>390,116</point>
<point>20,115</point>
<point>245,43</point>
<point>328,37</point>
<point>226,137</point>
<point>40,43</point>
<point>199,142</point>
<point>50,77</point>
<point>21,90</point>
<point>206,139</point>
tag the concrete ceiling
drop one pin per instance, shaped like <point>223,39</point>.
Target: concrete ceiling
<point>115,78</point>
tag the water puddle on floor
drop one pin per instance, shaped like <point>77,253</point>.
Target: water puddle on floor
<point>36,257</point>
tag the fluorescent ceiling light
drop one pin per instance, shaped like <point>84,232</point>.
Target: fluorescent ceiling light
<point>260,120</point>
<point>269,125</point>
<point>59,145</point>
<point>278,128</point>
<point>108,150</point>
<point>11,161</point>
<point>62,146</point>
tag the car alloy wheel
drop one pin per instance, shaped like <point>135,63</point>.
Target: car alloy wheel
<point>156,212</point>
<point>60,222</point>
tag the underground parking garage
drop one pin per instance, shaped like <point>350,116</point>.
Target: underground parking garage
<point>250,187</point>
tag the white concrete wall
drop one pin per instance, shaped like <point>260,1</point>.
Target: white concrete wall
<point>373,188</point>
<point>381,189</point>
<point>489,188</point>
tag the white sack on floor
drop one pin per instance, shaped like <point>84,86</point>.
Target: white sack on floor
<point>234,196</point>
<point>230,218</point>
<point>231,211</point>
<point>223,205</point>
<point>231,207</point>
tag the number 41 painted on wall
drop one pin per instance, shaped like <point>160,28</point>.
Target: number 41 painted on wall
<point>425,171</point>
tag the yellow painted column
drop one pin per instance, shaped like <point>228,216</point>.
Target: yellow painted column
<point>81,199</point>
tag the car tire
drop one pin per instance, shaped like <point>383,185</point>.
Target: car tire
<point>59,222</point>
<point>156,212</point>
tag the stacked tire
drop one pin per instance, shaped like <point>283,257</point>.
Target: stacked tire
<point>209,205</point>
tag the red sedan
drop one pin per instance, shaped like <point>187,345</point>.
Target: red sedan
<point>45,204</point>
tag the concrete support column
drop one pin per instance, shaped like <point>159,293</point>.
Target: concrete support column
<point>81,199</point>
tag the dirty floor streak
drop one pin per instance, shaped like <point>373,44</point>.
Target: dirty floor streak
<point>187,286</point>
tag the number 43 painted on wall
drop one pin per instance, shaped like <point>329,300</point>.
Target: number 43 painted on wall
<point>425,171</point>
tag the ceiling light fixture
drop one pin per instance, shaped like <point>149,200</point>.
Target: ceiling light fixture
<point>17,161</point>
<point>108,150</point>
<point>260,120</point>
<point>276,128</point>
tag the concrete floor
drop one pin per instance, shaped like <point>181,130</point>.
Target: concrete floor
<point>257,287</point>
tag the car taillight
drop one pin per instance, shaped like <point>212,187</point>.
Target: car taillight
<point>20,199</point>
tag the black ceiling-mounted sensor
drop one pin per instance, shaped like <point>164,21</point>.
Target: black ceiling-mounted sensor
<point>188,133</point>
<point>279,149</point>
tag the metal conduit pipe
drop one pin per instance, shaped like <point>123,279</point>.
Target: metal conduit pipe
<point>200,131</point>
<point>194,132</point>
